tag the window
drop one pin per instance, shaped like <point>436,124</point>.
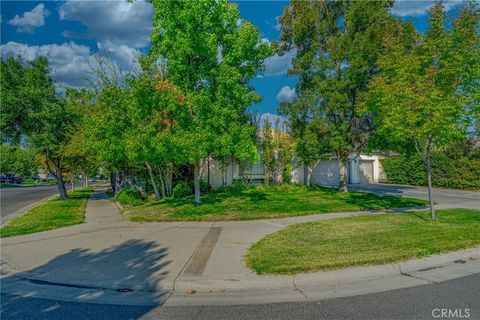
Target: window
<point>257,167</point>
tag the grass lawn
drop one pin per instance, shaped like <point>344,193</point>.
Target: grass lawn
<point>263,203</point>
<point>366,240</point>
<point>52,214</point>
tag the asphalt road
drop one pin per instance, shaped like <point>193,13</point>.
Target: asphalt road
<point>444,198</point>
<point>411,303</point>
<point>13,199</point>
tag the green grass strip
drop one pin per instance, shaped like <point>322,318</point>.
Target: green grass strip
<point>264,203</point>
<point>52,214</point>
<point>364,240</point>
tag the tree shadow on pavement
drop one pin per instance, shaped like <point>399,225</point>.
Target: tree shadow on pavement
<point>382,189</point>
<point>130,273</point>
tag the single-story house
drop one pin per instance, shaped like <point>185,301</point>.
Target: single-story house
<point>361,169</point>
<point>45,175</point>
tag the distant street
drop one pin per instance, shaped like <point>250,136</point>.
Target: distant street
<point>13,199</point>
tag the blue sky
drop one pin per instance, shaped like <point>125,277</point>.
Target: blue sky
<point>70,33</point>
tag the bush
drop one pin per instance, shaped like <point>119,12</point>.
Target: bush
<point>130,196</point>
<point>236,186</point>
<point>182,189</point>
<point>461,173</point>
<point>204,186</point>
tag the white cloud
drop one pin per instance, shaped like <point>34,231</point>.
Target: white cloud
<point>276,65</point>
<point>403,8</point>
<point>71,63</point>
<point>30,19</point>
<point>68,61</point>
<point>286,94</point>
<point>277,25</point>
<point>119,22</point>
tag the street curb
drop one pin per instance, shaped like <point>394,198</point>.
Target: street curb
<point>19,212</point>
<point>207,283</point>
<point>254,289</point>
<point>119,206</point>
<point>5,220</point>
<point>354,281</point>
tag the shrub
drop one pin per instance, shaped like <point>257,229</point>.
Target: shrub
<point>460,173</point>
<point>130,196</point>
<point>204,186</point>
<point>29,181</point>
<point>182,189</point>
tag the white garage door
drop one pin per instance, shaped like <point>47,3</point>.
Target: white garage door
<point>366,171</point>
<point>326,173</point>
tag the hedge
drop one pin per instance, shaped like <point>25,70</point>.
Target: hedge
<point>130,197</point>
<point>461,173</point>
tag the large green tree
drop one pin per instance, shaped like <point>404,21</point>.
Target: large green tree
<point>337,45</point>
<point>212,55</point>
<point>310,132</point>
<point>81,159</point>
<point>157,109</point>
<point>427,93</point>
<point>33,113</point>
<point>108,129</point>
<point>17,161</point>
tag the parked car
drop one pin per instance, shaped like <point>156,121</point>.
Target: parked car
<point>10,179</point>
<point>17,179</point>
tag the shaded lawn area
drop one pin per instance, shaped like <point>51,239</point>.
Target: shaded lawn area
<point>261,202</point>
<point>364,240</point>
<point>52,214</point>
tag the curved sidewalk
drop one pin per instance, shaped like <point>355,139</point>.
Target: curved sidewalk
<point>110,260</point>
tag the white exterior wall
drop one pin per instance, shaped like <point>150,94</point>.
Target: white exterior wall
<point>326,173</point>
<point>212,171</point>
<point>298,172</point>
<point>354,170</point>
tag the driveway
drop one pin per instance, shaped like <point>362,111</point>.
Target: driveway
<point>444,198</point>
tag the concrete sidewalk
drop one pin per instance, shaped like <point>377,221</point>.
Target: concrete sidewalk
<point>110,260</point>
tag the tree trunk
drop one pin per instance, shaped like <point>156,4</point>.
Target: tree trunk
<point>71,182</point>
<point>168,180</point>
<point>342,164</point>
<point>196,182</point>
<point>113,183</point>
<point>429,179</point>
<point>163,187</point>
<point>86,180</point>
<point>152,179</point>
<point>223,169</point>
<point>309,175</point>
<point>62,192</point>
<point>208,170</point>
